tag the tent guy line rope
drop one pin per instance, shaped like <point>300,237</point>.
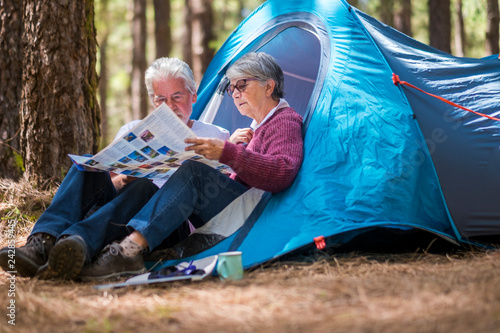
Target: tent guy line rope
<point>396,80</point>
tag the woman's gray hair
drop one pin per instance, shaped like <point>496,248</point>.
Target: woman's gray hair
<point>261,66</point>
<point>165,68</point>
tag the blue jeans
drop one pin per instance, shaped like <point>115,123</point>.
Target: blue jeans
<point>82,193</point>
<point>195,191</point>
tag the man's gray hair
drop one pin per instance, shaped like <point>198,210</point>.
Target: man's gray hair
<point>261,66</point>
<point>165,68</point>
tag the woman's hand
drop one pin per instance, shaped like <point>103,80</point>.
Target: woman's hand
<point>241,135</point>
<point>207,147</point>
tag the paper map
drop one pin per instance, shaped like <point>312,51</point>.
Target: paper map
<point>153,149</point>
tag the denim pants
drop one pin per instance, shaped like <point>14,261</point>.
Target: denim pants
<point>83,192</point>
<point>195,191</point>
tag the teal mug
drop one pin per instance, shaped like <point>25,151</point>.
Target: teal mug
<point>230,266</point>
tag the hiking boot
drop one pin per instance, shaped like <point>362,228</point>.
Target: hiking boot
<point>65,260</point>
<point>27,259</point>
<point>112,263</point>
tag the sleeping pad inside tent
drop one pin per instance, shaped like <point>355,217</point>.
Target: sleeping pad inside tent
<point>376,154</point>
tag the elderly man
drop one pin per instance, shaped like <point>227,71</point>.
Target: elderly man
<point>91,209</point>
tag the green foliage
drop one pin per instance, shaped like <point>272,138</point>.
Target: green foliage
<point>475,27</point>
<point>11,214</point>
<point>18,160</point>
<point>101,326</point>
<point>21,219</point>
<point>15,214</point>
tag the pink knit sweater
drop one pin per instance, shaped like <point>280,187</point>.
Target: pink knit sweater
<point>273,157</point>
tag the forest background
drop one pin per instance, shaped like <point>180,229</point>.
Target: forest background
<point>72,74</point>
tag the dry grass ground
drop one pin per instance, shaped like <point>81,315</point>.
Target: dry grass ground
<point>351,292</point>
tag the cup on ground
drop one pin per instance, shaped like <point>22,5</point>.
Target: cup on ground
<point>230,266</point>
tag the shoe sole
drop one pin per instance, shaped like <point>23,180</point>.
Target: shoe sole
<point>116,275</point>
<point>66,260</point>
<point>18,265</point>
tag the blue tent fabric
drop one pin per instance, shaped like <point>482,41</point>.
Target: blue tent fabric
<point>375,154</point>
<point>463,146</point>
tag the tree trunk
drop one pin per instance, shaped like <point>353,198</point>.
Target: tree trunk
<point>492,33</point>
<point>202,34</point>
<point>386,11</point>
<point>103,75</point>
<point>353,3</point>
<point>103,89</point>
<point>59,110</point>
<point>11,25</point>
<point>139,35</point>
<point>402,17</point>
<point>440,24</point>
<point>459,30</point>
<point>163,33</point>
<point>187,52</point>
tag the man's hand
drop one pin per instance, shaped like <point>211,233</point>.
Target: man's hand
<point>241,135</point>
<point>207,147</point>
<point>119,180</point>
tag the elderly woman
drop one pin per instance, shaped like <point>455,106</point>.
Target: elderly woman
<point>266,156</point>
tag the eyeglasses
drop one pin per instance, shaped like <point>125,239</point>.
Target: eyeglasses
<point>159,99</point>
<point>241,86</point>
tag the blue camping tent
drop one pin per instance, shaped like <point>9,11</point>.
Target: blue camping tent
<point>376,154</point>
